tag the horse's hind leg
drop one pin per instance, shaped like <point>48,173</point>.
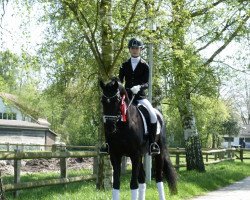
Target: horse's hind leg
<point>116,163</point>
<point>142,184</point>
<point>159,164</point>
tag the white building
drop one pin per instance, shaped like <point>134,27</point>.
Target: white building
<point>243,137</point>
<point>19,127</point>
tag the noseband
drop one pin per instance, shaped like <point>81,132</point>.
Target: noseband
<point>112,118</point>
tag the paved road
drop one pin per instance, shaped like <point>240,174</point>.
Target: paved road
<point>237,191</point>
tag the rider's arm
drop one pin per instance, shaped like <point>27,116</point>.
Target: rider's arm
<point>145,77</point>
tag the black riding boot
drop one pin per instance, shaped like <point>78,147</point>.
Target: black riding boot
<point>104,149</point>
<point>153,146</point>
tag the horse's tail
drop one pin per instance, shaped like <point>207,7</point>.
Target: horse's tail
<point>168,168</point>
<point>170,174</point>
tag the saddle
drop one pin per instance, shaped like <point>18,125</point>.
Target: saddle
<point>146,119</point>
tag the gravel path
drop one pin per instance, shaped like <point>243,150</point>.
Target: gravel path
<point>237,191</point>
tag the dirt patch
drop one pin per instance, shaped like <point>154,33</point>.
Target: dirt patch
<point>45,165</point>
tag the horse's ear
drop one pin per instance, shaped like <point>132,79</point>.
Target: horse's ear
<point>102,85</point>
<point>116,84</point>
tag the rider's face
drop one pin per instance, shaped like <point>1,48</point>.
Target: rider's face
<point>135,51</point>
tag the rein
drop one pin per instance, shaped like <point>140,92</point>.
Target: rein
<point>130,102</point>
<point>108,98</point>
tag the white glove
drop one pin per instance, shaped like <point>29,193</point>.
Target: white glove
<point>135,89</point>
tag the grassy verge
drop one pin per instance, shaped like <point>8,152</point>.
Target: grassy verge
<point>189,184</point>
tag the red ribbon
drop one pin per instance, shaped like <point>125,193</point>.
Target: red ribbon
<point>123,109</point>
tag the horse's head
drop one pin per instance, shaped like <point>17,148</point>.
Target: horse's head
<point>113,101</point>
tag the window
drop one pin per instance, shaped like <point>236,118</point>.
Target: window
<point>247,139</point>
<point>14,116</point>
<point>228,139</point>
<point>9,116</point>
<point>4,115</point>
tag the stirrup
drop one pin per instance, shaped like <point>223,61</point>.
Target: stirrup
<point>155,147</point>
<point>104,149</point>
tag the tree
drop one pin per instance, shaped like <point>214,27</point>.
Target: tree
<point>89,39</point>
<point>186,77</point>
<point>211,113</point>
<point>105,42</point>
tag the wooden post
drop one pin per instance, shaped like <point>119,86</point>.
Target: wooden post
<point>206,157</point>
<point>63,166</point>
<point>8,146</point>
<point>229,153</point>
<point>221,155</point>
<point>17,172</point>
<point>177,161</point>
<point>241,155</point>
<point>1,188</point>
<point>95,165</point>
<point>53,148</point>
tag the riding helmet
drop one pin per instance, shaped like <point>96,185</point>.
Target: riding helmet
<point>135,43</point>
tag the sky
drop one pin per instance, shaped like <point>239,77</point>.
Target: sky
<point>15,35</point>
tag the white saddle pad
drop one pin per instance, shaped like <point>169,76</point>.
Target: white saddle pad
<point>146,127</point>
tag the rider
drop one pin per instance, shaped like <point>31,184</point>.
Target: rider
<point>135,71</point>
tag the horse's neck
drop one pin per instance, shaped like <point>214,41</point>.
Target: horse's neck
<point>131,112</point>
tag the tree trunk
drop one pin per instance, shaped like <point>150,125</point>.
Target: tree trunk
<point>104,172</point>
<point>104,168</point>
<point>194,157</point>
<point>180,21</point>
<point>213,140</point>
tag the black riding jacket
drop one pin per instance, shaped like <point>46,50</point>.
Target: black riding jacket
<point>140,76</point>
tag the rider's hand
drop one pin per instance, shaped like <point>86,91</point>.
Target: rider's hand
<point>135,89</point>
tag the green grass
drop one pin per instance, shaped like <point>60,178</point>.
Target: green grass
<point>189,184</point>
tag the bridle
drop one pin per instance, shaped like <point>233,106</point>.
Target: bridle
<point>115,118</point>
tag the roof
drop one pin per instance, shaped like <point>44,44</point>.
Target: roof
<point>23,125</point>
<point>42,124</point>
<point>8,96</point>
<point>19,105</point>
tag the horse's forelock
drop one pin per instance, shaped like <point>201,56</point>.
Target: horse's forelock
<point>120,87</point>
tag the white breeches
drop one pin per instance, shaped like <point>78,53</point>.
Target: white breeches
<point>151,110</point>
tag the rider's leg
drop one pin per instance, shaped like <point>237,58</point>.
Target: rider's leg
<point>154,148</point>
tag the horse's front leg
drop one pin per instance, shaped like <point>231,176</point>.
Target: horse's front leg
<point>116,163</point>
<point>136,160</point>
<point>142,182</point>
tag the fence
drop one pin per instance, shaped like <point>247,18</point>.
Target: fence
<point>40,147</point>
<point>243,154</point>
<point>57,152</point>
<point>210,156</point>
<point>62,152</point>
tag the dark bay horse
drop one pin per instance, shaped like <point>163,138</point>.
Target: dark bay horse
<point>124,132</point>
